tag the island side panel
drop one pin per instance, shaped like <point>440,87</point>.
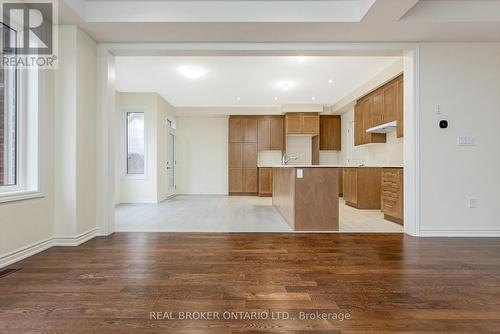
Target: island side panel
<point>283,193</point>
<point>317,200</point>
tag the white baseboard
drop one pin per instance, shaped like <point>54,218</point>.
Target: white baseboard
<point>76,240</point>
<point>22,253</point>
<point>443,232</point>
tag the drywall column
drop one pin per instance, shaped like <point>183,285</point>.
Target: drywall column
<point>75,134</point>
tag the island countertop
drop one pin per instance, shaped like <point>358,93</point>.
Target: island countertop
<point>331,166</point>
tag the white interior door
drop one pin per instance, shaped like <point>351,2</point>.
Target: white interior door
<point>171,188</point>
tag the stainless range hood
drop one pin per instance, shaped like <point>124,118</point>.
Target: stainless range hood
<point>384,128</point>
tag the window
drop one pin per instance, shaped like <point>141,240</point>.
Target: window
<point>135,143</point>
<point>8,122</point>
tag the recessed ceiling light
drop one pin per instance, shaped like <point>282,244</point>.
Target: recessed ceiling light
<point>313,98</point>
<point>285,85</point>
<point>192,72</point>
<point>330,81</point>
<point>275,98</point>
<point>238,98</point>
<point>300,59</point>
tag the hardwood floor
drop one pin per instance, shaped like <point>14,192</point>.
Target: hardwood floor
<point>385,282</point>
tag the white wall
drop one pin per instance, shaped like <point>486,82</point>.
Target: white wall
<point>202,155</point>
<point>301,148</point>
<point>138,188</point>
<point>152,187</point>
<point>29,222</point>
<point>75,204</point>
<point>465,80</point>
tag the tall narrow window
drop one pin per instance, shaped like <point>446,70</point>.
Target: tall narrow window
<point>8,118</point>
<point>135,143</point>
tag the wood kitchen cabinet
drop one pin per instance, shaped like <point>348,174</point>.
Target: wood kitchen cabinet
<point>330,133</point>
<point>302,124</point>
<point>235,130</point>
<point>392,194</point>
<point>250,130</point>
<point>277,134</point>
<point>363,119</point>
<point>362,187</point>
<point>400,106</point>
<point>250,179</point>
<point>383,105</point>
<point>242,155</point>
<point>265,182</point>
<point>270,133</point>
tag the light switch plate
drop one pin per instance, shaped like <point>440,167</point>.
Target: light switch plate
<point>472,202</point>
<point>300,173</point>
<point>466,141</point>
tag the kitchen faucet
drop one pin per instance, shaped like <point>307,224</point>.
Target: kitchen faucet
<point>285,160</point>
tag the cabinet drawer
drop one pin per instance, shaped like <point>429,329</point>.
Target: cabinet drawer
<point>386,194</point>
<point>391,184</point>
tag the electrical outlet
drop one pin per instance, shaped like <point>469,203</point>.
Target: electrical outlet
<point>300,173</point>
<point>472,202</point>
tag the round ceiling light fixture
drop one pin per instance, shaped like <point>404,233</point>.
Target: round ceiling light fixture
<point>192,72</point>
<point>285,85</point>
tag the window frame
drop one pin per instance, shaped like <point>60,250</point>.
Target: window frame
<point>124,112</point>
<point>27,164</point>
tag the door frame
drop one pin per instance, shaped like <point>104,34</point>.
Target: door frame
<point>171,136</point>
<point>107,102</point>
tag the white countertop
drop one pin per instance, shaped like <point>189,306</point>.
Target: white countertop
<point>326,166</point>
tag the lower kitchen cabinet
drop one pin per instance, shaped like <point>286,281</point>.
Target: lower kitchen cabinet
<point>392,194</point>
<point>265,182</point>
<point>250,179</point>
<point>362,187</point>
<point>235,180</point>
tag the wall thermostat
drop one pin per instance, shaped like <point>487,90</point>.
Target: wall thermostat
<point>443,124</point>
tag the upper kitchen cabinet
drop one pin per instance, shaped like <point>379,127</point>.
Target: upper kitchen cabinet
<point>363,118</point>
<point>270,133</point>
<point>384,105</point>
<point>400,106</point>
<point>302,124</point>
<point>250,130</point>
<point>277,134</point>
<point>329,133</point>
<point>236,130</point>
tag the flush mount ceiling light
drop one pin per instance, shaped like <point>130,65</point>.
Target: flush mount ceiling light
<point>285,85</point>
<point>192,72</point>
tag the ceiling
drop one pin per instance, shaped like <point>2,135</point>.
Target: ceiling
<point>247,81</point>
<point>285,21</point>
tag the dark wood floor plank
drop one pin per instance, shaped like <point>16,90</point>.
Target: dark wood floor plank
<point>386,282</point>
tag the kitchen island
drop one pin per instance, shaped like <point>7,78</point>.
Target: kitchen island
<point>307,196</point>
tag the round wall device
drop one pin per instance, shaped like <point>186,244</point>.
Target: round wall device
<point>443,124</point>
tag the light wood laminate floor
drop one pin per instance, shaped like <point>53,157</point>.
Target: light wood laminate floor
<point>231,214</point>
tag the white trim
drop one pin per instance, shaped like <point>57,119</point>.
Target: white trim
<point>448,232</point>
<point>20,195</point>
<point>30,250</point>
<point>110,50</point>
<point>76,240</point>
<point>123,128</point>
